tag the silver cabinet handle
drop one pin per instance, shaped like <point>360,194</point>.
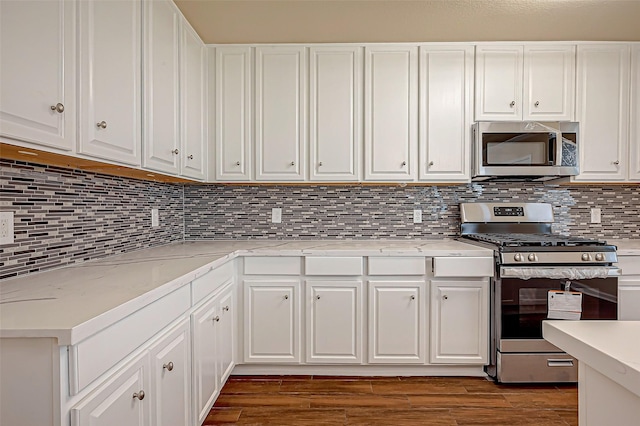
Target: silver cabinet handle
<point>237,163</point>
<point>226,308</point>
<point>168,366</point>
<point>430,163</point>
<point>190,157</point>
<point>445,297</point>
<point>320,163</point>
<point>286,297</point>
<point>139,395</point>
<point>537,104</point>
<point>102,124</point>
<point>413,297</point>
<point>404,163</point>
<point>318,297</point>
<point>216,318</point>
<point>293,163</point>
<point>617,162</point>
<point>57,107</point>
<point>175,151</point>
<point>512,104</point>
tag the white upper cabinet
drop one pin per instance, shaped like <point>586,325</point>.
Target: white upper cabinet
<point>280,109</point>
<point>516,82</point>
<point>193,105</point>
<point>233,117</point>
<point>161,131</point>
<point>602,109</point>
<point>390,112</point>
<point>37,65</point>
<point>549,82</point>
<point>446,90</point>
<point>634,136</point>
<point>335,113</point>
<point>110,67</point>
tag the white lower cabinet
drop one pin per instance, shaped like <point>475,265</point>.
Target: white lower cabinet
<point>272,321</point>
<point>629,288</point>
<point>397,322</point>
<point>121,400</point>
<point>171,377</point>
<point>459,322</point>
<point>226,334</point>
<point>334,321</point>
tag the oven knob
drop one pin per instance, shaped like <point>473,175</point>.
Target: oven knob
<point>586,257</point>
<point>599,257</point>
<point>532,257</point>
<point>517,257</point>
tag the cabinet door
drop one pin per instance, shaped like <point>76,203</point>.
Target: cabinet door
<point>602,109</point>
<point>335,113</point>
<point>446,87</point>
<point>205,375</point>
<point>280,113</point>
<point>499,83</point>
<point>634,135</point>
<point>193,106</point>
<point>272,321</point>
<point>397,322</point>
<point>233,117</point>
<point>37,40</point>
<point>459,322</point>
<point>226,335</point>
<point>391,112</point>
<point>110,68</point>
<point>120,400</point>
<point>161,135</point>
<point>629,299</point>
<point>171,377</point>
<point>549,82</point>
<point>334,321</point>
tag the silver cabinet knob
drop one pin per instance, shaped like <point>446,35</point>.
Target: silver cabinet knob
<point>139,395</point>
<point>237,163</point>
<point>537,104</point>
<point>318,297</point>
<point>617,162</point>
<point>599,257</point>
<point>586,257</point>
<point>293,163</point>
<point>175,151</point>
<point>102,124</point>
<point>286,297</point>
<point>445,297</point>
<point>320,163</point>
<point>413,297</point>
<point>216,318</point>
<point>512,104</point>
<point>57,107</point>
<point>190,157</point>
<point>404,163</point>
<point>226,308</point>
<point>168,366</point>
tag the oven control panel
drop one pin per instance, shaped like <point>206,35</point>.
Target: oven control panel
<point>508,211</point>
<point>565,257</point>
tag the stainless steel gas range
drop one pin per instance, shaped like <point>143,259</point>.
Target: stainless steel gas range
<point>538,275</point>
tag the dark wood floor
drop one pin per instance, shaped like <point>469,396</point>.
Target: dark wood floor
<point>324,400</point>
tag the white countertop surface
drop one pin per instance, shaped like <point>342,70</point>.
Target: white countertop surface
<point>626,247</point>
<point>74,302</point>
<point>610,347</point>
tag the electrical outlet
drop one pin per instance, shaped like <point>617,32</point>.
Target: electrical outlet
<point>596,215</point>
<point>276,215</point>
<point>155,218</point>
<point>417,216</point>
<point>6,227</point>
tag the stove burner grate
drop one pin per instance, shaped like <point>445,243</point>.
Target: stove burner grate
<point>534,240</point>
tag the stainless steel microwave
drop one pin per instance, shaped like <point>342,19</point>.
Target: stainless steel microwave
<point>524,151</point>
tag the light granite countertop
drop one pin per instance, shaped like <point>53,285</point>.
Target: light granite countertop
<point>627,247</point>
<point>74,302</point>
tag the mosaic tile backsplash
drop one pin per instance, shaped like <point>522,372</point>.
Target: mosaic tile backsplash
<point>67,216</point>
<point>359,212</point>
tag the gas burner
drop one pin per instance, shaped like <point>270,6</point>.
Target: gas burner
<point>533,240</point>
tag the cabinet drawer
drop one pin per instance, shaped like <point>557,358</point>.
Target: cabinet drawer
<point>333,265</point>
<point>630,265</point>
<point>462,266</point>
<point>95,355</point>
<point>211,281</point>
<point>272,265</point>
<point>397,266</point>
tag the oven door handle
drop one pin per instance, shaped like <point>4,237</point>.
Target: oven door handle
<point>581,272</point>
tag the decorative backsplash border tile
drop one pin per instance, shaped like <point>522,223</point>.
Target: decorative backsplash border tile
<point>66,216</point>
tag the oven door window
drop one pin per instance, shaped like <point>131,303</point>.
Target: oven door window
<point>518,149</point>
<point>524,303</point>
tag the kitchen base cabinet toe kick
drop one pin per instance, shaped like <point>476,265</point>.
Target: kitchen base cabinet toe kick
<point>166,362</point>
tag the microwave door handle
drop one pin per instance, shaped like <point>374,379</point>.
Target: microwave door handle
<point>559,158</point>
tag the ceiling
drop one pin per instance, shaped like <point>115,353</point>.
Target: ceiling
<point>337,21</point>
